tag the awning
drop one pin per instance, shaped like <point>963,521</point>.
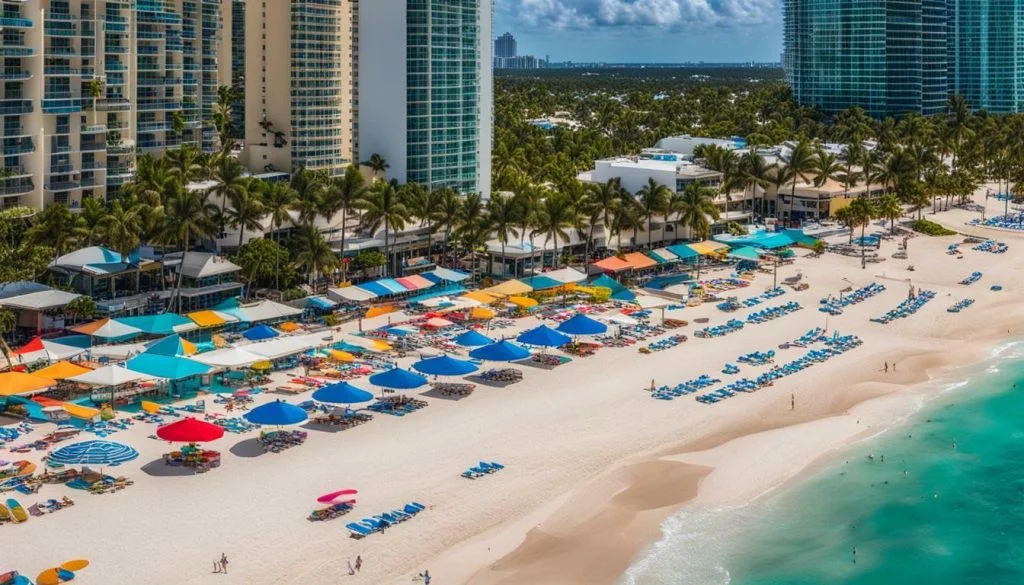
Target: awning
<point>61,370</point>
<point>110,376</point>
<point>566,275</point>
<point>540,282</point>
<point>619,292</point>
<point>378,310</point>
<point>640,261</point>
<point>481,313</point>
<point>211,318</point>
<point>481,297</point>
<point>289,326</point>
<point>708,247</point>
<point>38,349</point>
<point>165,366</point>
<point>321,303</point>
<point>392,285</point>
<point>651,302</point>
<point>745,253</point>
<point>612,264</point>
<point>351,293</point>
<point>415,282</point>
<point>230,357</point>
<point>163,324</point>
<point>17,383</point>
<point>107,329</point>
<point>265,310</point>
<point>285,346</point>
<point>682,251</point>
<point>439,274</point>
<point>378,289</point>
<point>509,287</point>
<point>664,256</point>
<point>523,302</point>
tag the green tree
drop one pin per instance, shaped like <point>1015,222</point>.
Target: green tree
<point>696,211</point>
<point>799,162</point>
<point>121,227</point>
<point>246,212</point>
<point>653,198</point>
<point>229,185</point>
<point>8,323</point>
<point>382,208</point>
<point>82,308</point>
<point>889,208</point>
<point>313,254</point>
<point>260,260</point>
<point>187,216</point>
<point>502,215</point>
<point>553,219</point>
<point>378,165</point>
<point>278,199</point>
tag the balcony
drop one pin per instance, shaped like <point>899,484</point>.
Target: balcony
<point>94,128</point>
<point>115,49</point>
<point>114,105</point>
<point>60,28</point>
<point>159,106</point>
<point>58,186</point>
<point>16,51</point>
<point>62,169</point>
<point>15,106</point>
<point>61,52</point>
<point>62,106</point>
<point>18,146</point>
<point>10,188</point>
<point>96,165</point>
<point>154,126</point>
<point>13,22</point>
<point>14,74</point>
<point>56,71</point>
<point>92,146</point>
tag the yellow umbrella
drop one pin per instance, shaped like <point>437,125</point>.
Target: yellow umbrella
<point>14,383</point>
<point>523,302</point>
<point>75,565</point>
<point>61,370</point>
<point>340,356</point>
<point>289,326</point>
<point>264,365</point>
<point>481,313</point>
<point>49,577</point>
<point>380,310</point>
<point>481,297</point>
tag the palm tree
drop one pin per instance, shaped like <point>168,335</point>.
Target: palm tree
<point>184,164</point>
<point>309,194</point>
<point>188,215</point>
<point>869,168</point>
<point>278,199</point>
<point>151,180</point>
<point>447,213</point>
<point>246,211</point>
<point>502,217</point>
<point>653,199</point>
<point>862,211</point>
<point>889,208</point>
<point>312,252</point>
<point>848,174</point>
<point>92,213</point>
<point>755,172</point>
<point>694,208</point>
<point>826,167</point>
<point>57,227</point>
<point>343,193</point>
<point>378,165</point>
<point>121,227</point>
<point>94,87</point>
<point>844,216</point>
<point>230,184</point>
<point>227,96</point>
<point>958,125</point>
<point>800,162</point>
<point>382,208</point>
<point>897,166</point>
<point>553,219</point>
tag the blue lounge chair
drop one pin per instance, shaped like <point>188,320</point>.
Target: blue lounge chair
<point>358,530</point>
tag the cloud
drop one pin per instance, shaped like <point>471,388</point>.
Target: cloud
<point>663,14</point>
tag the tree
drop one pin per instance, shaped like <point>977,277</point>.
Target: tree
<point>260,260</point>
<point>184,164</point>
<point>826,166</point>
<point>177,123</point>
<point>229,184</point>
<point>227,96</point>
<point>83,307</point>
<point>755,172</point>
<point>862,211</point>
<point>696,206</point>
<point>90,217</point>
<point>502,217</point>
<point>382,208</point>
<point>57,227</point>
<point>309,194</point>
<point>799,162</point>
<point>653,199</point>
<point>889,208</point>
<point>313,254</point>
<point>554,217</point>
<point>246,212</point>
<point>278,199</point>
<point>844,216</point>
<point>8,322</point>
<point>449,208</point>
<point>343,194</point>
<point>94,87</point>
<point>378,165</point>
<point>188,215</point>
<point>121,227</point>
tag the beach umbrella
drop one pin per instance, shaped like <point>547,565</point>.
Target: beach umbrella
<point>172,345</point>
<point>398,379</point>
<point>473,339</point>
<point>342,393</point>
<point>93,453</point>
<point>501,351</point>
<point>13,383</point>
<point>277,413</point>
<point>75,565</point>
<point>339,356</point>
<point>260,332</point>
<point>166,366</point>
<point>328,498</point>
<point>190,430</point>
<point>444,366</point>
<point>580,324</point>
<point>544,336</point>
<point>54,576</point>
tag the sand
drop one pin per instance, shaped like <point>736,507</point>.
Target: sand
<point>593,463</point>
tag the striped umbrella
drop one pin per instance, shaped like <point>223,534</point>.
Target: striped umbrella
<point>94,453</point>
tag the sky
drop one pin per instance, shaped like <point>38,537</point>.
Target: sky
<point>622,31</point>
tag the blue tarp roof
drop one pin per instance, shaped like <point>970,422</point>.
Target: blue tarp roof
<point>376,288</point>
<point>162,366</point>
<point>544,336</point>
<point>276,413</point>
<point>398,379</point>
<point>445,274</point>
<point>445,366</point>
<point>434,293</point>
<point>580,324</point>
<point>342,393</point>
<point>473,339</point>
<point>162,324</point>
<point>683,251</point>
<point>767,240</point>
<point>540,282</point>
<point>392,285</point>
<point>799,237</point>
<point>502,351</point>
<point>170,345</point>
<point>260,332</point>
<point>321,303</point>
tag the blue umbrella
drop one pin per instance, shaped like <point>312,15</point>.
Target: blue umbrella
<point>445,366</point>
<point>398,379</point>
<point>93,453</point>
<point>473,339</point>
<point>260,332</point>
<point>342,393</point>
<point>501,351</point>
<point>544,336</point>
<point>580,324</point>
<point>165,366</point>
<point>276,413</point>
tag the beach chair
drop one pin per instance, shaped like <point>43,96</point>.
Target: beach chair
<point>358,530</point>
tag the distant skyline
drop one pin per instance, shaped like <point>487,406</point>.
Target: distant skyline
<point>623,31</point>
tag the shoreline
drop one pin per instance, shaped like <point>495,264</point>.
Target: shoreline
<point>554,546</point>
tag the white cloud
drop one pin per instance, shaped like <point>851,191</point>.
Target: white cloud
<point>663,14</point>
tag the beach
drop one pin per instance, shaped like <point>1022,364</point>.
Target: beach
<point>593,464</point>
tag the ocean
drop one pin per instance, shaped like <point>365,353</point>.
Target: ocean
<point>930,512</point>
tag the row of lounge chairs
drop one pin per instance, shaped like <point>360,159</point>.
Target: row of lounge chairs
<point>907,307</point>
<point>1013,221</point>
<point>771,313</point>
<point>731,369</point>
<point>46,442</point>
<point>482,469</point>
<point>960,306</point>
<point>757,358</point>
<point>730,326</point>
<point>508,375</point>
<point>95,483</point>
<point>11,433</point>
<point>717,285</point>
<point>237,425</point>
<point>667,343</point>
<point>277,441</point>
<point>992,246</point>
<point>835,306</point>
<point>400,407</point>
<point>381,522</point>
<point>973,278</point>
<point>331,512</point>
<point>683,388</point>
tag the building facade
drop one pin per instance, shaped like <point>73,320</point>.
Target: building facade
<point>299,85</point>
<point>438,73</point>
<point>89,83</point>
<point>238,67</point>
<point>986,53</point>
<point>505,46</point>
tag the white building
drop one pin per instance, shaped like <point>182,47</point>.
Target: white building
<point>426,81</point>
<point>686,144</point>
<point>634,172</point>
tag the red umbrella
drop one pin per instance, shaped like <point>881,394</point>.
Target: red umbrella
<point>327,498</point>
<point>190,430</point>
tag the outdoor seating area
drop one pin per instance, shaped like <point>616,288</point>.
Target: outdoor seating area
<point>277,441</point>
<point>193,457</point>
<point>973,278</point>
<point>482,469</point>
<point>1012,221</point>
<point>907,307</point>
<point>684,388</point>
<point>397,405</point>
<point>772,313</point>
<point>331,512</point>
<point>549,361</point>
<point>451,389</point>
<point>960,306</point>
<point>757,358</point>
<point>382,522</point>
<point>98,483</point>
<point>663,344</point>
<point>834,306</point>
<point>502,375</point>
<point>341,418</point>
<point>730,326</point>
<point>992,247</point>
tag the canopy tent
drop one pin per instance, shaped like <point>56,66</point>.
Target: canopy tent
<point>768,241</point>
<point>401,330</point>
<point>229,357</point>
<point>378,310</point>
<point>340,356</point>
<point>438,323</point>
<point>544,336</point>
<point>162,324</point>
<point>277,413</point>
<point>640,261</point>
<point>93,453</point>
<point>663,256</point>
<point>108,329</point>
<point>445,365</point>
<point>285,346</point>
<point>351,293</point>
<point>265,310</point>
<point>40,349</point>
<point>289,326</point>
<point>438,275</point>
<point>481,313</point>
<point>651,302</point>
<point>120,351</point>
<point>581,324</point>
<point>523,302</point>
<point>211,318</point>
<point>800,238</point>
<point>260,332</point>
<point>620,319</point>
<point>322,303</point>
<point>110,376</point>
<point>509,288</point>
<point>745,253</point>
<point>398,379</point>
<point>619,292</point>
<point>540,282</point>
<point>165,366</point>
<point>449,302</point>
<point>172,345</point>
<point>17,383</point>
<point>482,297</point>
<point>682,251</point>
<point>708,247</point>
<point>473,339</point>
<point>367,343</point>
<point>190,430</point>
<point>62,371</point>
<point>342,393</point>
<point>612,264</point>
<point>414,282</point>
<point>501,351</point>
<point>566,275</point>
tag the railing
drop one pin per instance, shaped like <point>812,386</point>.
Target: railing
<point>12,22</point>
<point>62,169</point>
<point>8,188</point>
<point>62,186</point>
<point>93,146</point>
<point>16,52</point>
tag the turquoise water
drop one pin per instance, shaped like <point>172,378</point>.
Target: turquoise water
<point>955,517</point>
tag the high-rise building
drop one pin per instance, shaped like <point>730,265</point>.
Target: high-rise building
<point>505,46</point>
<point>427,66</point>
<point>299,85</point>
<point>887,56</point>
<point>986,53</point>
<point>238,66</point>
<point>88,83</point>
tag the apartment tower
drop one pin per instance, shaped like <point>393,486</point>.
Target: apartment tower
<point>425,74</point>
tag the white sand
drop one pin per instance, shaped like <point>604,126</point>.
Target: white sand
<point>593,463</point>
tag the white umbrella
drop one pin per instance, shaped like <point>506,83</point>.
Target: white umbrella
<point>231,357</point>
<point>110,376</point>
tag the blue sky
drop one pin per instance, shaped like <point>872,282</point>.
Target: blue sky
<point>644,30</point>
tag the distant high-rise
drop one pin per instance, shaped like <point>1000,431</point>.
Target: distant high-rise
<point>238,66</point>
<point>986,53</point>
<point>299,94</point>
<point>505,46</point>
<point>431,89</point>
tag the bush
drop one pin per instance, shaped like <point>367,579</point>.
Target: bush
<point>931,228</point>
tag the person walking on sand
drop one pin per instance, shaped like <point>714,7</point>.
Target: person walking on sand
<point>216,566</point>
<point>792,401</point>
<point>224,563</point>
<point>855,555</point>
<point>351,571</point>
<point>359,563</point>
<point>887,367</point>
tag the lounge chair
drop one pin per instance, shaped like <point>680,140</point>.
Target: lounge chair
<point>358,530</point>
